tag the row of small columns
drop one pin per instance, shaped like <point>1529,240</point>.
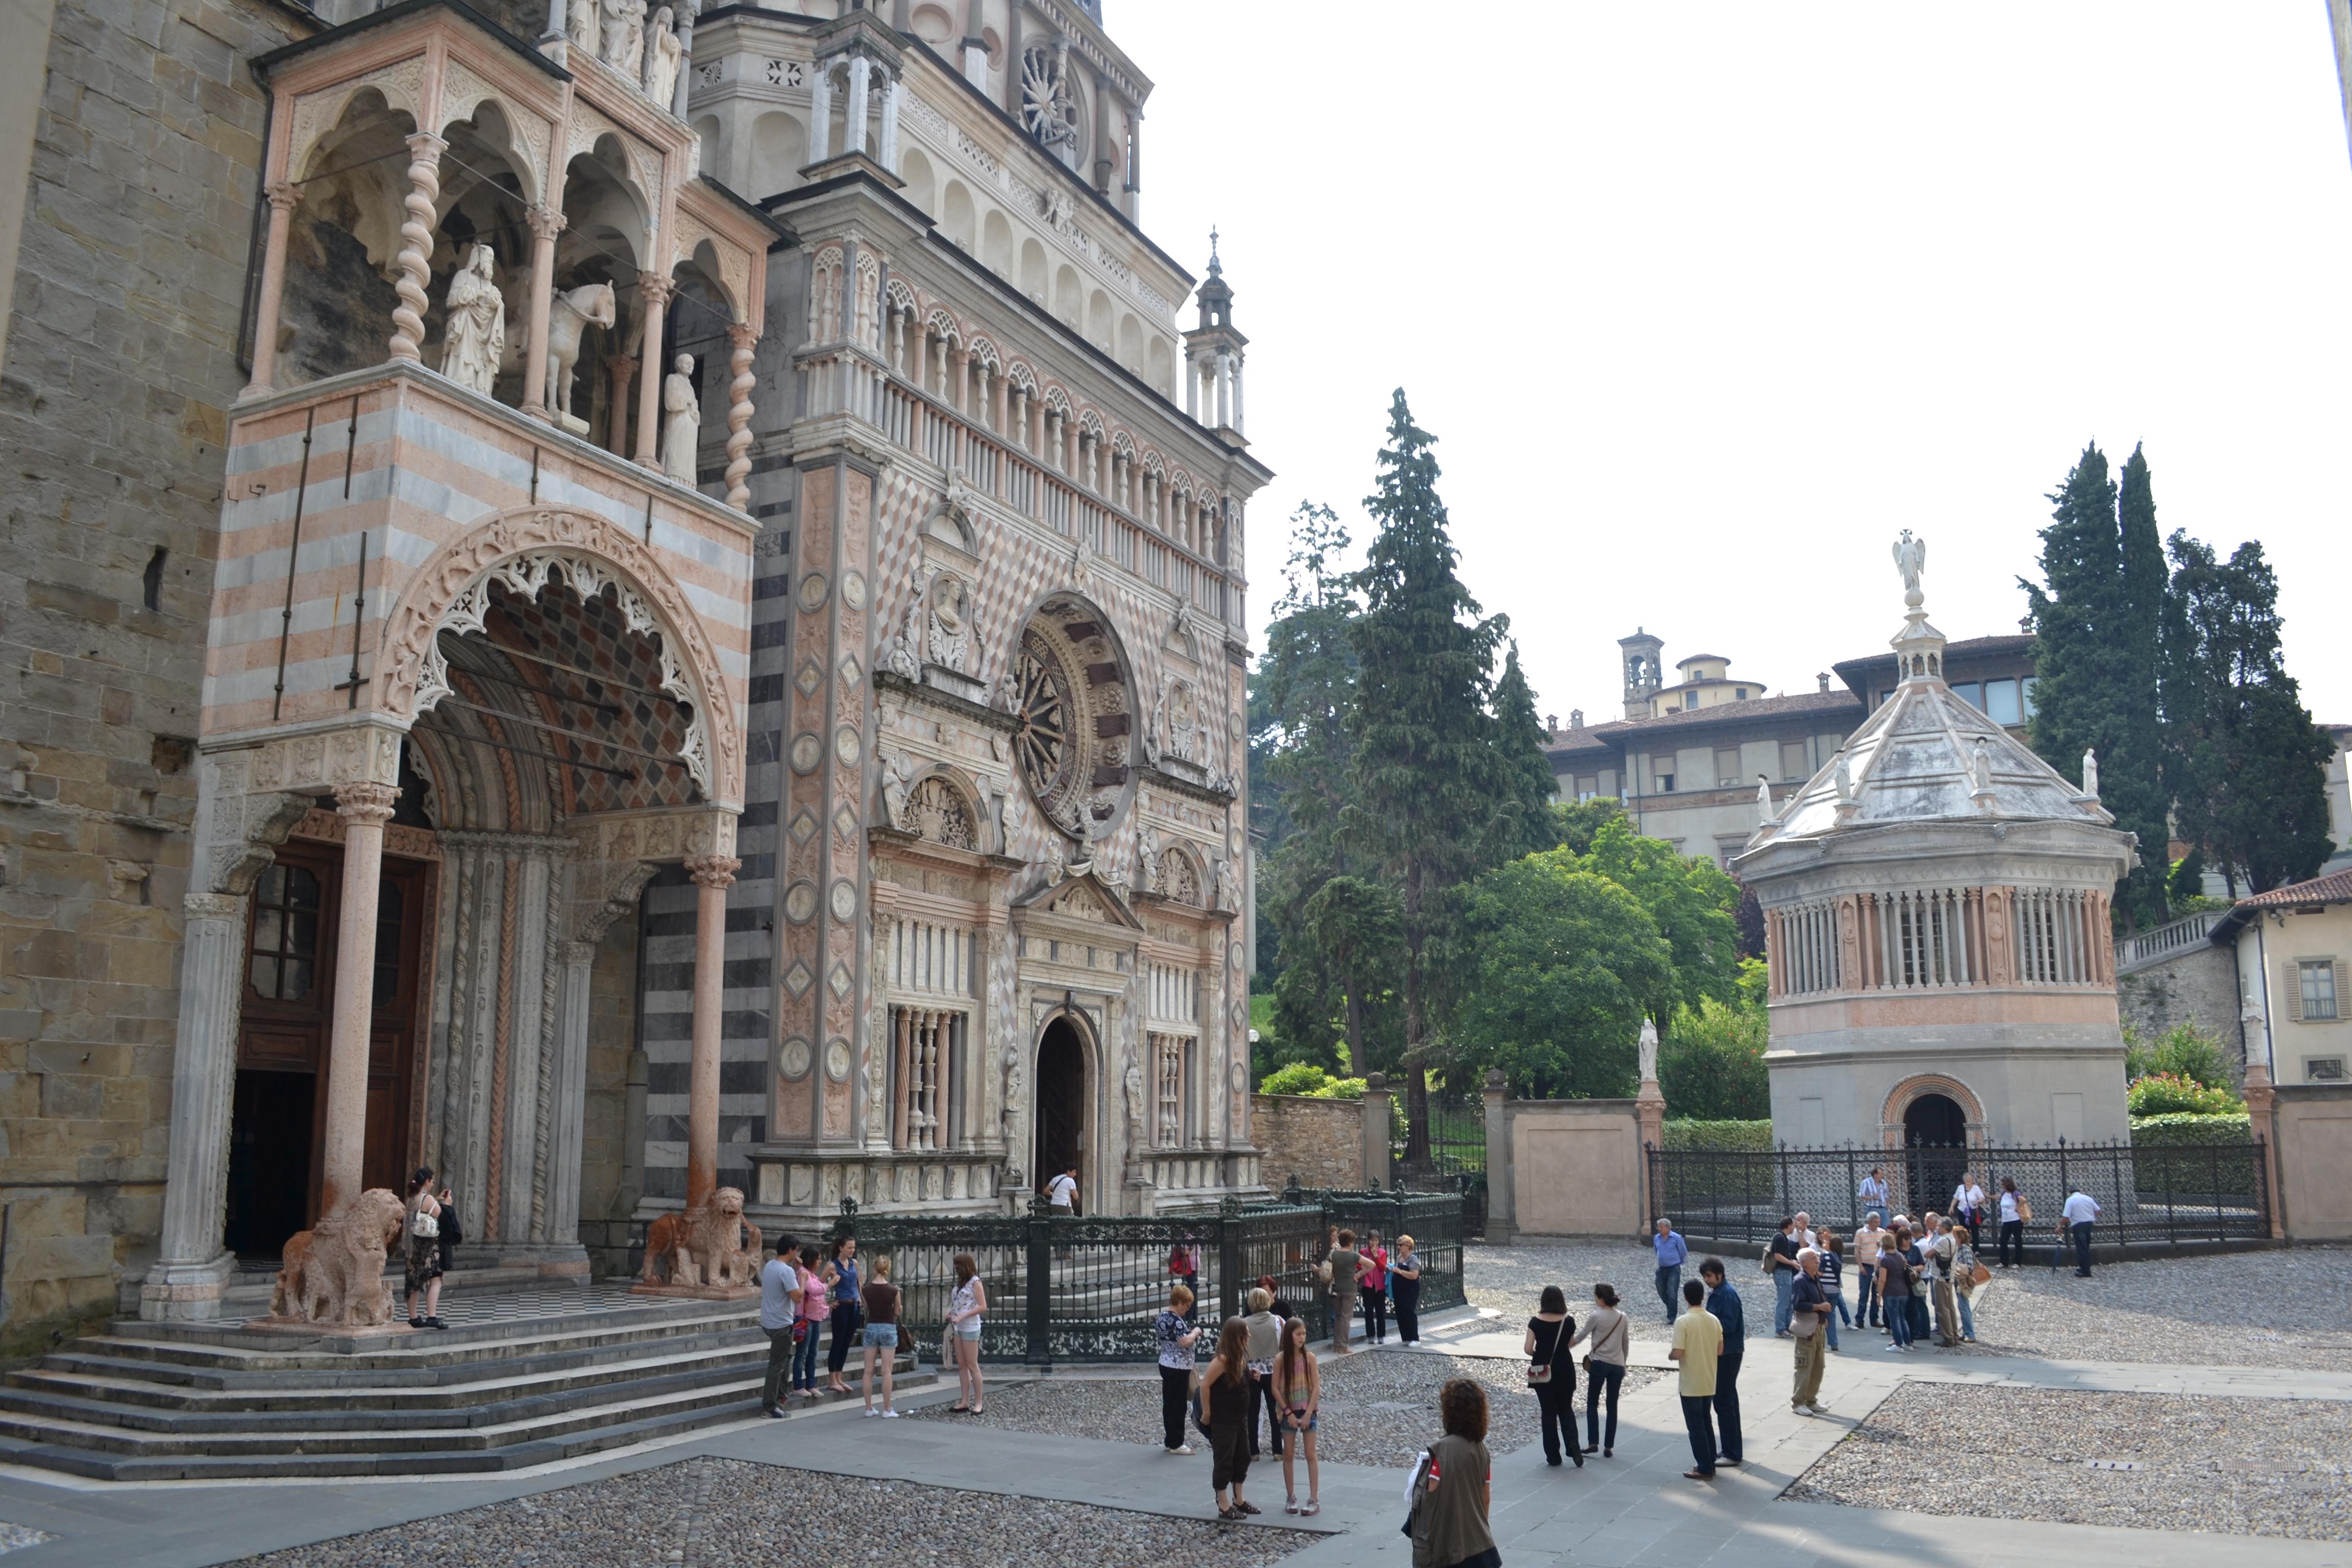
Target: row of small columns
<point>1213,386</point>
<point>861,70</point>
<point>365,809</point>
<point>424,152</point>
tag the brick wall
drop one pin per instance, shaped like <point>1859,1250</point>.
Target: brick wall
<point>1319,1140</point>
<point>2197,985</point>
<point>123,361</point>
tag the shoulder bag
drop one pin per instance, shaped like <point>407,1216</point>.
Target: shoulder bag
<point>422,1224</point>
<point>1538,1376</point>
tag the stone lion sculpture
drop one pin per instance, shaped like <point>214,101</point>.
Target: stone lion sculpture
<point>333,1272</point>
<point>706,1245</point>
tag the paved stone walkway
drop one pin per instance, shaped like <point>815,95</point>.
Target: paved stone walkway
<point>1634,1511</point>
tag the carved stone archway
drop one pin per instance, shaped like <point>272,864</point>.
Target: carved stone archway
<point>1899,1099</point>
<point>520,550</point>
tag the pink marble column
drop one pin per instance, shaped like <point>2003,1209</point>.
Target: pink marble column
<point>654,293</point>
<point>364,808</point>
<point>616,408</point>
<point>282,195</point>
<point>539,399</point>
<point>713,875</point>
<point>740,339</point>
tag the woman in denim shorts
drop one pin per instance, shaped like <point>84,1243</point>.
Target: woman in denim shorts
<point>881,1335</point>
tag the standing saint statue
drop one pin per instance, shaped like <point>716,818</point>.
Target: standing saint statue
<point>1648,1051</point>
<point>476,329</point>
<point>1911,560</point>
<point>625,35</point>
<point>580,24</point>
<point>663,54</point>
<point>681,420</point>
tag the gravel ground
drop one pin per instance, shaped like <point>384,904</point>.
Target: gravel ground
<point>2233,1466</point>
<point>1377,1409</point>
<point>2290,1308</point>
<point>728,1514</point>
<point>13,1536</point>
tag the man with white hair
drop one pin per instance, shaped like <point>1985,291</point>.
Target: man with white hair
<point>1810,1304</point>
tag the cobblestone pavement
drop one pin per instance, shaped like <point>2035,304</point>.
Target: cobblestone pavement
<point>731,1513</point>
<point>2149,1461</point>
<point>2287,1309</point>
<point>1377,1409</point>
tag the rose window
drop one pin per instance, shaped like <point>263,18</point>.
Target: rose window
<point>1070,698</point>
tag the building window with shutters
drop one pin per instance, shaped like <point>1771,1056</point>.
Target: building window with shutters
<point>2315,980</point>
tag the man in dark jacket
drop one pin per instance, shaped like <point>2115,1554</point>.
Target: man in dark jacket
<point>1723,1302</point>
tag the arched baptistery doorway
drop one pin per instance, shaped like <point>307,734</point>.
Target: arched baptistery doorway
<point>1061,1118</point>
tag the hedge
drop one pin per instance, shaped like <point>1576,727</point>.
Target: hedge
<point>1720,1137</point>
<point>2175,1129</point>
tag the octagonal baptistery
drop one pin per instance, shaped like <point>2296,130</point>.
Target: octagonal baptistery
<point>1935,912</point>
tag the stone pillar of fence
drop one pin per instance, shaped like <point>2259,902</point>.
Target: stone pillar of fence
<point>1650,1112</point>
<point>1377,1171</point>
<point>2261,1100</point>
<point>1502,1219</point>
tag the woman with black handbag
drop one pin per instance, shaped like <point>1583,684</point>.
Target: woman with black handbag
<point>1549,1333</point>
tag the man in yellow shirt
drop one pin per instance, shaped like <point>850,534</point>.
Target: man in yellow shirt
<point>1697,1344</point>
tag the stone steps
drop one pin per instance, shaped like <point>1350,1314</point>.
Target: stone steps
<point>221,1402</point>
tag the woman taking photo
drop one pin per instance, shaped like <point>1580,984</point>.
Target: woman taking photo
<point>1455,1487</point>
<point>1298,1393</point>
<point>965,1309</point>
<point>422,1234</point>
<point>1604,1368</point>
<point>1549,1333</point>
<point>1224,1400</point>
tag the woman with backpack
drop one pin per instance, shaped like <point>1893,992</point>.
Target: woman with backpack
<point>1452,1487</point>
<point>1299,1398</point>
<point>422,1234</point>
<point>1549,1333</point>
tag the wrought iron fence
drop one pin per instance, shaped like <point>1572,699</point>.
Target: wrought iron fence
<point>1457,1137</point>
<point>2174,1194</point>
<point>1088,1289</point>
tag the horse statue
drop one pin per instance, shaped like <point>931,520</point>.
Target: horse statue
<point>571,312</point>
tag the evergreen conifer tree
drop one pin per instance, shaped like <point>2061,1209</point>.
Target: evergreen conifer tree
<point>2132,779</point>
<point>2244,759</point>
<point>1423,735</point>
<point>1525,784</point>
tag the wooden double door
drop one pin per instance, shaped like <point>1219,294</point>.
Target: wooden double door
<point>277,1124</point>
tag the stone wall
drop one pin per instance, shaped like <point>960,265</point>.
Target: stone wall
<point>2195,985</point>
<point>1562,1167</point>
<point>123,361</point>
<point>1319,1140</point>
<point>2313,1126</point>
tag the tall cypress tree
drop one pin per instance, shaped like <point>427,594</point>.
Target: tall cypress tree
<point>1424,735</point>
<point>2245,761</point>
<point>2132,778</point>
<point>2094,662</point>
<point>1525,784</point>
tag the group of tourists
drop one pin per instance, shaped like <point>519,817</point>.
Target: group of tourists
<point>2009,1208</point>
<point>1368,1274</point>
<point>802,1291</point>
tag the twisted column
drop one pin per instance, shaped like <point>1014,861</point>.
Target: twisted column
<point>741,337</point>
<point>539,399</point>
<point>424,151</point>
<point>713,875</point>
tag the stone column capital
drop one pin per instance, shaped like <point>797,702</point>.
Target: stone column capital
<point>212,906</point>
<point>713,870</point>
<point>426,148</point>
<point>282,195</point>
<point>743,334</point>
<point>365,802</point>
<point>654,290</point>
<point>546,221</point>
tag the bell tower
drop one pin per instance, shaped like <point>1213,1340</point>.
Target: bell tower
<point>1213,353</point>
<point>1642,677</point>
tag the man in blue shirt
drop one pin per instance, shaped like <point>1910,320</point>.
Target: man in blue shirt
<point>1723,1302</point>
<point>1671,1250</point>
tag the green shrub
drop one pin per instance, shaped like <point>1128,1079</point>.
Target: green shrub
<point>1711,1063</point>
<point>1298,1078</point>
<point>2184,1051</point>
<point>1719,1137</point>
<point>2177,1128</point>
<point>1345,1088</point>
<point>2165,1093</point>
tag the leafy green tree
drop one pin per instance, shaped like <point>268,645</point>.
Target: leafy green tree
<point>1711,1063</point>
<point>1421,729</point>
<point>1352,925</point>
<point>1525,785</point>
<point>1560,963</point>
<point>2094,661</point>
<point>2245,761</point>
<point>1688,899</point>
<point>1575,823</point>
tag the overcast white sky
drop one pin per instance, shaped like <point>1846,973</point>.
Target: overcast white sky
<point>1707,301</point>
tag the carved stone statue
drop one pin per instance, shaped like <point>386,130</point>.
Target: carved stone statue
<point>951,628</point>
<point>1911,560</point>
<point>581,24</point>
<point>663,54</point>
<point>993,794</point>
<point>571,313</point>
<point>681,420</point>
<point>1844,778</point>
<point>625,35</point>
<point>333,1272</point>
<point>1146,854</point>
<point>1980,767</point>
<point>704,1245</point>
<point>1226,898</point>
<point>1056,866</point>
<point>898,774</point>
<point>476,335</point>
<point>1763,798</point>
<point>900,658</point>
<point>1648,1051</point>
<point>1136,1130</point>
<point>1183,722</point>
<point>2091,773</point>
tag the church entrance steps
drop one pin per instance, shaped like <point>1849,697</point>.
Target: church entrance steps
<point>500,1391</point>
